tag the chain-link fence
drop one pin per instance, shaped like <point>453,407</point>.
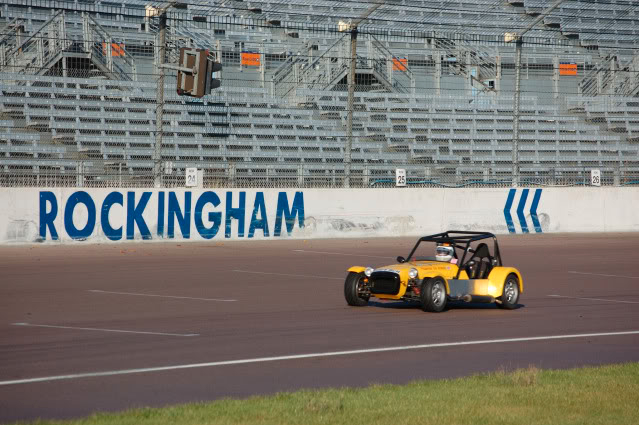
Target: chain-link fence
<point>79,106</point>
<point>222,175</point>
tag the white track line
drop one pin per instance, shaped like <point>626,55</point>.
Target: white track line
<point>594,299</point>
<point>339,253</point>
<point>605,275</point>
<point>33,325</point>
<point>159,296</point>
<point>287,274</point>
<point>308,356</point>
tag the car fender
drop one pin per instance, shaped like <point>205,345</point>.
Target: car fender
<point>498,276</point>
<point>426,277</point>
<point>357,269</point>
<point>447,286</point>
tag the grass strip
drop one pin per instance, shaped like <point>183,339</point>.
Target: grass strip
<point>593,395</point>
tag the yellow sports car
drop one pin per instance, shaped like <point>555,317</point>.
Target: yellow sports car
<point>459,267</point>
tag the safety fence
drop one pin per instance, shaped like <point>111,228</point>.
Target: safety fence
<point>228,175</point>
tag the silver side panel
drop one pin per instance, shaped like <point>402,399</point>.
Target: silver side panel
<point>463,287</point>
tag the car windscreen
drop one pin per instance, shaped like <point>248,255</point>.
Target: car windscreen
<point>427,251</point>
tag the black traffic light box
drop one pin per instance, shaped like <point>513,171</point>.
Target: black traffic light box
<point>195,77</point>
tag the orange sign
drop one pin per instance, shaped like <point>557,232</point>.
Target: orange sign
<point>400,64</point>
<point>567,69</point>
<point>251,59</point>
<point>117,49</point>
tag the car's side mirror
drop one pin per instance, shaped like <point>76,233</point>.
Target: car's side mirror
<point>494,261</point>
<point>471,263</point>
<point>401,259</point>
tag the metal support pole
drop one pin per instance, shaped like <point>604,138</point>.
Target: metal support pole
<point>555,76</point>
<point>518,45</point>
<point>516,112</point>
<point>438,73</point>
<point>349,122</point>
<point>498,76</point>
<point>263,66</point>
<point>159,110</point>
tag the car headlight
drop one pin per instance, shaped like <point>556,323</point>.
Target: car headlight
<point>412,273</point>
<point>369,271</point>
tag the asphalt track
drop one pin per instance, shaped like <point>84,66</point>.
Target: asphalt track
<point>88,328</point>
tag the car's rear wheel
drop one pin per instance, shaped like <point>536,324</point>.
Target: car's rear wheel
<point>433,294</point>
<point>354,290</point>
<point>510,296</point>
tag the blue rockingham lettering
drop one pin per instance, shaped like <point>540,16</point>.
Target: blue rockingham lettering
<point>173,207</point>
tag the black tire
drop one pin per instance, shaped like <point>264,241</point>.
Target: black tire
<point>510,296</point>
<point>351,290</point>
<point>433,294</point>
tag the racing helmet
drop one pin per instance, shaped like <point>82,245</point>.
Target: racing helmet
<point>444,252</point>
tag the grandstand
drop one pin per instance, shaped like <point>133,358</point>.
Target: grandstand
<point>434,93</point>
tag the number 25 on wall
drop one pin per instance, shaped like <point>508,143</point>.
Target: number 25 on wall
<point>400,177</point>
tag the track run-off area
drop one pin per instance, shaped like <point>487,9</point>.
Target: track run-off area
<point>106,327</point>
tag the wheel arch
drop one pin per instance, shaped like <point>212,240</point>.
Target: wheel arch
<point>425,278</point>
<point>357,269</point>
<point>498,276</point>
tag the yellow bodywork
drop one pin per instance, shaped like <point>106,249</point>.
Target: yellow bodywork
<point>493,286</point>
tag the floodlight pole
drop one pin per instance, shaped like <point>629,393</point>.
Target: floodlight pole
<point>159,94</point>
<point>516,103</point>
<point>349,108</point>
<point>159,109</point>
<point>351,92</point>
<point>516,112</point>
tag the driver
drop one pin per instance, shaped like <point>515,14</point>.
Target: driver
<point>444,252</point>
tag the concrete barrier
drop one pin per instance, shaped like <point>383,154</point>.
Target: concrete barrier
<point>105,215</point>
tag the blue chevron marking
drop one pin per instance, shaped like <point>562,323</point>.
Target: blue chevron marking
<point>509,204</point>
<point>520,211</point>
<point>533,211</point>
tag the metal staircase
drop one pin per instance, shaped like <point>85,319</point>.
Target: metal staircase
<point>471,61</point>
<point>11,38</point>
<point>612,76</point>
<point>329,70</point>
<point>630,83</point>
<point>389,69</point>
<point>323,72</point>
<point>178,37</point>
<point>106,53</point>
<point>38,53</point>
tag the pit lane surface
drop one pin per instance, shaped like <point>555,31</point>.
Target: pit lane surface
<point>86,327</point>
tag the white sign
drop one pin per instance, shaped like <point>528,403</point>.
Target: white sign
<point>595,177</point>
<point>191,177</point>
<point>400,177</point>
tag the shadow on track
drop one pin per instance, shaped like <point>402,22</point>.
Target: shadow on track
<point>452,305</point>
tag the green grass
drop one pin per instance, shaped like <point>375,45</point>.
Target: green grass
<point>599,395</point>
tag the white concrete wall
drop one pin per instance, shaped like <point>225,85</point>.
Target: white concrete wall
<point>323,212</point>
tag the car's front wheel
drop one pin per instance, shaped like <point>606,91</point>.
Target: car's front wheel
<point>354,290</point>
<point>510,296</point>
<point>433,294</point>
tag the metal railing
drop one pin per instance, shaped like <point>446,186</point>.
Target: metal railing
<point>119,174</point>
<point>612,76</point>
<point>466,54</point>
<point>396,73</point>
<point>320,73</point>
<point>103,48</point>
<point>38,50</point>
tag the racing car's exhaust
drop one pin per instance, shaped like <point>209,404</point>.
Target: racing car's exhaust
<point>478,298</point>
